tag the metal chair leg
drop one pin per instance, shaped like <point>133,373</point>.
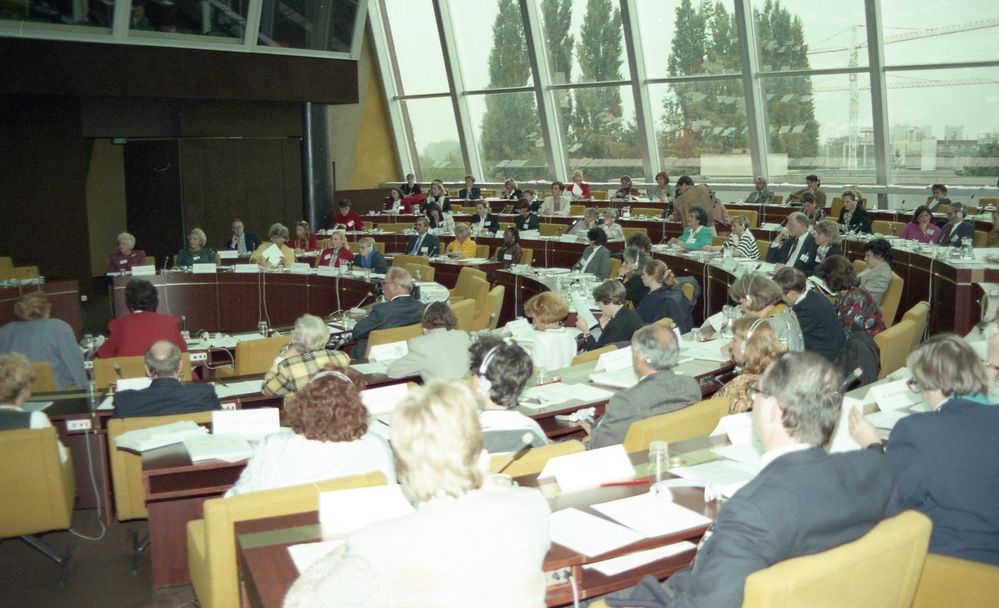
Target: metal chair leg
<point>138,546</point>
<point>61,559</point>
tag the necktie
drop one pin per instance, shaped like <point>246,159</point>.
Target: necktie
<point>946,234</point>
<point>416,247</point>
<point>794,248</point>
<point>241,247</point>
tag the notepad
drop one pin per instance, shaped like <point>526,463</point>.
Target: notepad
<point>651,516</point>
<point>589,534</point>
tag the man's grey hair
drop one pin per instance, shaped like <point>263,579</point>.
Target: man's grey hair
<point>959,209</point>
<point>163,359</point>
<point>401,277</point>
<point>800,218</point>
<point>657,345</point>
<point>807,388</point>
<point>310,334</point>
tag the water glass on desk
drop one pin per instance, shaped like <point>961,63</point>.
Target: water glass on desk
<point>658,459</point>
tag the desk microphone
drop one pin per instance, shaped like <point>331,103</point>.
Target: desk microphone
<point>117,370</point>
<point>561,228</point>
<point>853,377</point>
<point>894,229</point>
<point>525,442</point>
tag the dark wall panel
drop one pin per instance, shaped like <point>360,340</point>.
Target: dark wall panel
<point>153,196</point>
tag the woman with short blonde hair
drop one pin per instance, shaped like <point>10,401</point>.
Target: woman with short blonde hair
<point>753,347</point>
<point>462,246</point>
<point>42,339</point>
<point>197,251</point>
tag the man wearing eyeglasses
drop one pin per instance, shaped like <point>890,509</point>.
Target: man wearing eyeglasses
<point>803,501</point>
<point>399,309</point>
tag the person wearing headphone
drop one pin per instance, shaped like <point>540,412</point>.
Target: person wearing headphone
<point>956,232</point>
<point>816,315</point>
<point>753,347</point>
<point>762,298</point>
<point>501,370</point>
<point>439,337</point>
<point>654,353</point>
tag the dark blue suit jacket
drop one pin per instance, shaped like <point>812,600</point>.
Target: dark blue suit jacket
<point>526,223</point>
<point>801,503</point>
<point>475,195</point>
<point>252,242</point>
<point>951,236</point>
<point>948,468</point>
<point>819,324</point>
<point>166,396</point>
<point>859,221</point>
<point>403,310</point>
<point>430,242</point>
<point>375,261</point>
<point>806,259</point>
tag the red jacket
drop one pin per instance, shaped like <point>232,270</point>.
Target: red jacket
<point>326,257</point>
<point>297,243</point>
<point>351,221</point>
<point>133,334</point>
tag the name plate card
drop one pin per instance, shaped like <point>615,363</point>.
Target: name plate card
<point>301,268</point>
<point>143,271</point>
<point>246,268</point>
<point>204,269</point>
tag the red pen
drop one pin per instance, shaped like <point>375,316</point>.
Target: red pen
<point>630,482</point>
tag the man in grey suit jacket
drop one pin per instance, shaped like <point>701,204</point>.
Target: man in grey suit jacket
<point>166,395</point>
<point>441,353</point>
<point>398,309</point>
<point>803,501</point>
<point>654,353</point>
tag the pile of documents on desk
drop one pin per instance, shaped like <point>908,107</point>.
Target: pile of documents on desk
<point>141,440</point>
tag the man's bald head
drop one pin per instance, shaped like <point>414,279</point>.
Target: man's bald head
<point>163,360</point>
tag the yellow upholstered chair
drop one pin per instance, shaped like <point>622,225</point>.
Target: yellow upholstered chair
<point>211,542</point>
<point>835,208</point>
<point>763,246</point>
<point>592,355</point>
<point>778,199</point>
<point>577,210</point>
<point>665,322</point>
<point>395,227</point>
<point>718,241</point>
<point>956,583</point>
<point>881,227</point>
<point>39,490</point>
<point>894,343</point>
<point>464,312</point>
<point>627,232</point>
<point>6,262</point>
<point>646,211</point>
<point>393,334</point>
<point>891,300</point>
<point>18,272</point>
<point>859,266</point>
<point>692,421</point>
<point>919,315</point>
<point>548,229</point>
<point>486,193</point>
<point>752,217</point>
<point>462,286</point>
<point>879,570</point>
<point>598,195</point>
<point>615,267</point>
<point>533,461</point>
<point>487,316</point>
<point>981,238</point>
<point>254,356</point>
<point>528,256</point>
<point>471,287</point>
<point>131,367</point>
<point>427,272</point>
<point>688,290</point>
<point>402,259</point>
<point>44,381</point>
<point>482,251</point>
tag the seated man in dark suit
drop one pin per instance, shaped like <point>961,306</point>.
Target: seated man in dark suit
<point>803,501</point>
<point>956,231</point>
<point>240,241</point>
<point>654,353</point>
<point>399,309</point>
<point>794,246</point>
<point>166,395</point>
<point>470,192</point>
<point>423,243</point>
<point>817,316</point>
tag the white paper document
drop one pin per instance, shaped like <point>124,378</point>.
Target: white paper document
<point>519,327</point>
<point>617,565</point>
<point>841,440</point>
<point>252,424</point>
<point>651,516</point>
<point>560,392</point>
<point>273,254</point>
<point>886,420</point>
<point>738,427</point>
<point>132,384</point>
<point>375,367</point>
<point>718,472</point>
<point>382,400</point>
<point>301,268</point>
<point>706,351</point>
<point>746,453</point>
<point>615,360</point>
<point>584,311</point>
<point>306,554</point>
<point>893,395</point>
<point>204,268</point>
<point>589,469</point>
<point>232,389</point>
<point>588,534</point>
<point>389,352</point>
<point>343,511</point>
<point>625,378</point>
<point>141,440</point>
<point>36,406</point>
<point>230,448</point>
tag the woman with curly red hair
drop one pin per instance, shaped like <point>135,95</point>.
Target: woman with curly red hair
<point>330,438</point>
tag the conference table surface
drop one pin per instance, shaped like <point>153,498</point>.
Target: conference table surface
<point>267,571</point>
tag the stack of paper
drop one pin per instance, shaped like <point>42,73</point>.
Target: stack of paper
<point>230,448</point>
<point>588,534</point>
<point>559,392</point>
<point>141,440</point>
<point>625,378</point>
<point>651,516</point>
<point>245,387</point>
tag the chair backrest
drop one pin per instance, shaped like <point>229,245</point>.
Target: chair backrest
<point>692,421</point>
<point>859,266</point>
<point>752,217</point>
<point>615,267</point>
<point>981,238</point>
<point>835,208</point>
<point>778,199</point>
<point>986,201</point>
<point>891,299</point>
<point>221,514</point>
<point>18,272</point>
<point>879,570</point>
<point>6,262</point>
<point>464,312</point>
<point>575,210</point>
<point>534,460</point>
<point>393,334</point>
<point>126,467</point>
<point>598,195</point>
<point>44,381</point>
<point>548,229</point>
<point>487,316</point>
<point>718,241</point>
<point>482,251</point>
<point>894,344</point>
<point>918,314</point>
<point>463,281</point>
<point>880,227</point>
<point>763,247</point>
<point>646,211</point>
<point>131,367</point>
<point>402,259</point>
<point>427,272</point>
<point>528,256</point>
<point>627,232</point>
<point>949,581</point>
<point>592,355</point>
<point>257,356</point>
<point>39,489</point>
<point>688,290</point>
<point>474,289</point>
<point>395,227</point>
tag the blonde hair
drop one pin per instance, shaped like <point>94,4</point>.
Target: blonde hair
<point>546,307</point>
<point>198,232</point>
<point>760,344</point>
<point>310,333</point>
<point>660,273</point>
<point>437,441</point>
<point>15,374</point>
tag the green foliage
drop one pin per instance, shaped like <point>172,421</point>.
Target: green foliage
<point>988,166</point>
